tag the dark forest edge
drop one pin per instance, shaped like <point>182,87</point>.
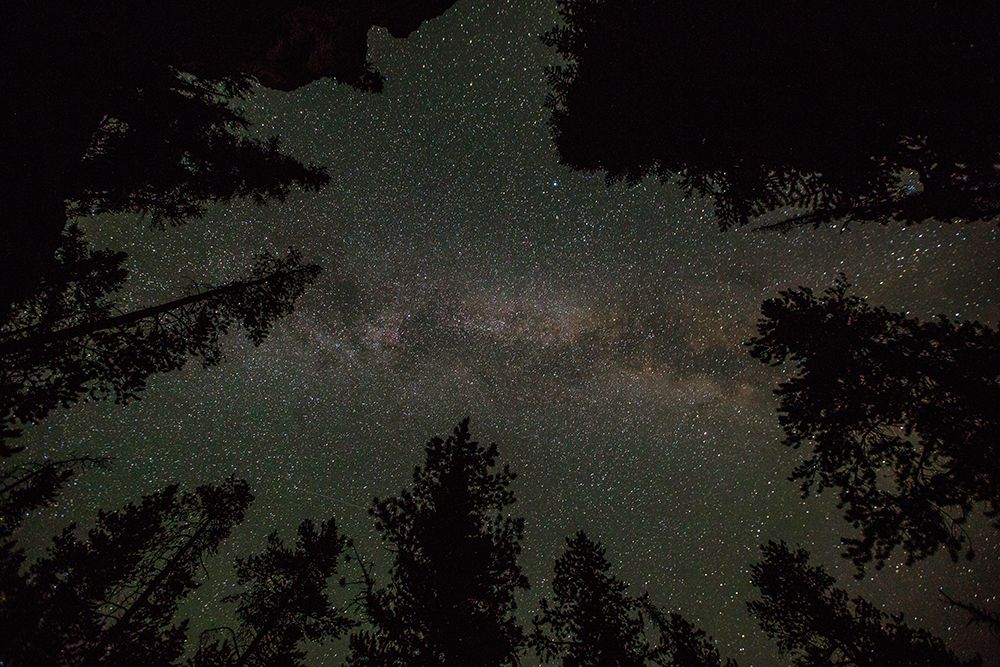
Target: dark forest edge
<point>805,114</point>
<point>137,110</point>
<point>110,595</point>
<point>815,112</point>
<point>897,415</point>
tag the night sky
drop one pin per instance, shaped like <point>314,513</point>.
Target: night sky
<point>595,333</point>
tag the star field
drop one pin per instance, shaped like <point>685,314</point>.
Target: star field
<point>595,333</point>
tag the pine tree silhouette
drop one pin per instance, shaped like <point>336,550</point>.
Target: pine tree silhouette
<point>592,621</point>
<point>450,595</point>
<point>26,488</point>
<point>110,599</point>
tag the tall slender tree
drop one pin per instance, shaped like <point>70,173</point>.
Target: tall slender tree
<point>592,620</point>
<point>137,109</point>
<point>26,488</point>
<point>901,417</point>
<point>450,598</point>
<point>111,598</point>
<point>71,341</point>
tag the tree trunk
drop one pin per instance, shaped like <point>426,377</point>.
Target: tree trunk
<point>19,344</point>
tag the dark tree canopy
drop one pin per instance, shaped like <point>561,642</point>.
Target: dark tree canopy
<point>70,341</point>
<point>176,145</point>
<point>818,625</point>
<point>449,600</point>
<point>132,107</point>
<point>592,621</point>
<point>866,110</point>
<point>284,602</point>
<point>110,598</point>
<point>900,416</point>
<point>125,107</point>
<point>27,487</point>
